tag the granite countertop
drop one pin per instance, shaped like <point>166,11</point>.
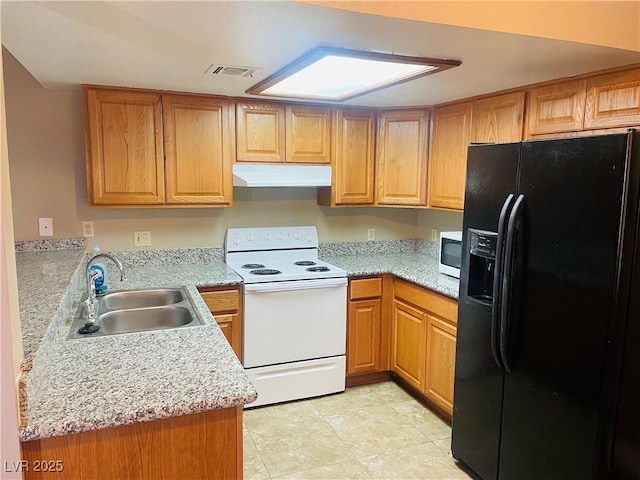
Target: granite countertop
<point>416,267</point>
<point>75,385</point>
<point>43,288</point>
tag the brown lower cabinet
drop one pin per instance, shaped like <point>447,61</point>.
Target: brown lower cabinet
<point>396,327</point>
<point>367,330</point>
<point>423,342</point>
<point>197,446</point>
<point>225,303</point>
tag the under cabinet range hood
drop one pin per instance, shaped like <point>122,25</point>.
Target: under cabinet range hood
<point>281,175</point>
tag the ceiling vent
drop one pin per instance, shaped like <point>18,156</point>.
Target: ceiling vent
<point>231,70</point>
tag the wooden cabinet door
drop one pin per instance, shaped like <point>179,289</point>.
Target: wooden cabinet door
<point>441,357</point>
<point>402,157</point>
<point>125,159</point>
<point>613,100</point>
<point>230,324</point>
<point>363,345</point>
<point>408,344</point>
<point>556,108</point>
<point>448,162</point>
<point>498,119</point>
<point>354,156</point>
<point>199,149</point>
<point>260,132</point>
<point>226,307</point>
<point>308,134</point>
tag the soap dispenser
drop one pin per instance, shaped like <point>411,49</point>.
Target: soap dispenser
<point>101,280</point>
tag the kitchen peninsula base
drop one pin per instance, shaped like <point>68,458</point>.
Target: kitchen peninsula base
<point>196,446</point>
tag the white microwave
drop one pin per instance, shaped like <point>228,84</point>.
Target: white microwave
<point>450,253</point>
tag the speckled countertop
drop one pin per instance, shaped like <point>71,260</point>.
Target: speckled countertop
<point>82,384</point>
<point>43,288</point>
<point>419,268</point>
<point>77,385</point>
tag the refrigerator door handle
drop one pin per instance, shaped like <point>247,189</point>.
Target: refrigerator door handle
<point>506,280</point>
<point>497,282</point>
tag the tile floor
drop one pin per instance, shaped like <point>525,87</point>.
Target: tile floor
<point>375,431</point>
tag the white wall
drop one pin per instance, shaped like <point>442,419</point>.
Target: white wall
<point>441,220</point>
<point>9,318</point>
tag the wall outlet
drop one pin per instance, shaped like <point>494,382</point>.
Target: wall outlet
<point>141,239</point>
<point>87,229</point>
<point>46,227</point>
<point>434,235</point>
<point>371,234</point>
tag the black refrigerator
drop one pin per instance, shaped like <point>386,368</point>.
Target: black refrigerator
<point>548,343</point>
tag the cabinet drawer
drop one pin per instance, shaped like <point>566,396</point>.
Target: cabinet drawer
<point>223,301</point>
<point>365,288</point>
<point>440,305</point>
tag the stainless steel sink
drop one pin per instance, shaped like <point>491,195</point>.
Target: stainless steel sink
<point>137,319</point>
<point>139,311</point>
<point>141,298</point>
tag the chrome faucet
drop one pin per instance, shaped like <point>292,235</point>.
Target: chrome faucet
<point>92,275</point>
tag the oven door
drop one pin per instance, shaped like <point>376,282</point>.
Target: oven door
<point>293,321</point>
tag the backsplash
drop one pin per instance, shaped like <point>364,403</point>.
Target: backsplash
<point>195,256</point>
<point>177,256</point>
<point>52,244</point>
<point>377,247</point>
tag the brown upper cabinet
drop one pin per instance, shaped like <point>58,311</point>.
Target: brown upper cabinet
<point>308,134</point>
<point>401,163</point>
<point>199,149</point>
<point>125,163</point>
<point>495,119</point>
<point>278,133</point>
<point>556,108</point>
<point>613,100</point>
<point>260,132</point>
<point>498,119</point>
<point>158,149</point>
<point>353,159</point>
<point>579,107</point>
<point>126,148</point>
<point>448,164</point>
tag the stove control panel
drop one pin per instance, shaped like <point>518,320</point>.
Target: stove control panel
<point>270,238</point>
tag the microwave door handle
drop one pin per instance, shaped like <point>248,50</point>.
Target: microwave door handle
<point>497,279</point>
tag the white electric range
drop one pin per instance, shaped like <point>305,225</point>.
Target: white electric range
<point>295,313</point>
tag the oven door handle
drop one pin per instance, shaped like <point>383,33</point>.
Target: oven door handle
<point>295,285</point>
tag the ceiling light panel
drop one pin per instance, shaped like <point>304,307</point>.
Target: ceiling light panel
<point>330,73</point>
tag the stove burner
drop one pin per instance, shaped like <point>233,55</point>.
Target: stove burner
<point>304,263</point>
<point>265,271</point>
<point>317,269</point>
<point>253,265</point>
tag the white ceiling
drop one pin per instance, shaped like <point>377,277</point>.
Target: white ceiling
<point>169,45</point>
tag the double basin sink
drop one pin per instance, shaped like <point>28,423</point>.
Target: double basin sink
<point>131,311</point>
